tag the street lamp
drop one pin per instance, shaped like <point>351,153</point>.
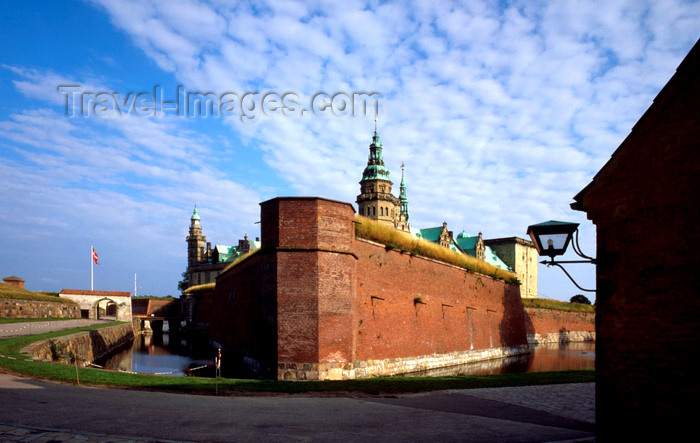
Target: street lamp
<point>552,238</point>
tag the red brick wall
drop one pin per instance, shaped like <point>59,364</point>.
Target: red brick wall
<point>547,321</point>
<point>283,311</point>
<point>459,310</point>
<point>644,205</point>
<point>315,273</point>
<point>242,318</point>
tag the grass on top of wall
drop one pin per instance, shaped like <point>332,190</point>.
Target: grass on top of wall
<point>394,239</point>
<point>241,258</point>
<point>200,288</point>
<point>17,293</point>
<point>556,305</point>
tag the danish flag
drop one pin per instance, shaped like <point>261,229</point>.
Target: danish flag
<point>94,256</point>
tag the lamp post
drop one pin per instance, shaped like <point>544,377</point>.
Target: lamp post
<point>552,238</point>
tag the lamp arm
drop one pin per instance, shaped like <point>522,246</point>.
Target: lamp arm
<point>550,263</point>
<point>577,249</point>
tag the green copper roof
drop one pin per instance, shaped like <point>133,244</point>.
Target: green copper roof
<point>195,214</point>
<point>491,257</point>
<point>468,245</point>
<point>466,242</point>
<point>228,254</point>
<point>431,234</point>
<point>375,169</point>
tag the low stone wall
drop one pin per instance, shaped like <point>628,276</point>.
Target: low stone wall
<point>88,346</point>
<point>550,326</point>
<point>561,337</point>
<point>392,366</point>
<point>12,308</point>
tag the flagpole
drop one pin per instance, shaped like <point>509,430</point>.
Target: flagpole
<point>92,259</point>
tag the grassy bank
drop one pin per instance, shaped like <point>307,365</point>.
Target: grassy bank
<point>383,385</point>
<point>17,293</point>
<point>556,305</point>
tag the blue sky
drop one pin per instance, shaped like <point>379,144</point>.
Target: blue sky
<point>501,111</point>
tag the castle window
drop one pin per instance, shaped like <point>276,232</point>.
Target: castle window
<point>374,210</point>
<point>381,211</point>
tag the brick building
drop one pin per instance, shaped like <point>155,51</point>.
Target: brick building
<point>13,280</point>
<point>312,301</point>
<point>315,302</point>
<point>643,203</point>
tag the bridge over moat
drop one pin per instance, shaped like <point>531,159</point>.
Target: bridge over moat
<point>150,316</point>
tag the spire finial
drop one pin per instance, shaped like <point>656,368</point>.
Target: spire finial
<point>195,213</point>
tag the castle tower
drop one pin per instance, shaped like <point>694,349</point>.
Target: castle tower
<point>196,242</point>
<point>375,200</point>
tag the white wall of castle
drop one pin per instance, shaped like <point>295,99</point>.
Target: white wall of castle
<point>90,303</point>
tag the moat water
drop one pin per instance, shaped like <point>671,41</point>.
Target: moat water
<point>178,356</point>
<point>542,358</point>
<point>163,354</point>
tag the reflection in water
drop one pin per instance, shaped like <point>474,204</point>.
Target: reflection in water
<point>161,353</point>
<point>543,358</point>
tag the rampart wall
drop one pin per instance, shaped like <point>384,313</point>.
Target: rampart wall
<point>415,313</point>
<point>549,326</point>
<point>11,308</point>
<point>315,303</point>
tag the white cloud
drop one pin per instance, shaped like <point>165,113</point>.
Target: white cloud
<point>502,112</point>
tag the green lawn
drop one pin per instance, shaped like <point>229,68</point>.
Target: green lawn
<point>11,347</point>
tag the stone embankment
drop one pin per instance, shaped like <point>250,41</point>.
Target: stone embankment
<point>87,346</point>
<point>394,366</point>
<point>13,308</point>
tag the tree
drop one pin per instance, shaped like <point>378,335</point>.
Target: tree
<point>581,299</point>
<point>185,282</point>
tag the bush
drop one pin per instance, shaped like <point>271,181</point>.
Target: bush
<point>581,299</point>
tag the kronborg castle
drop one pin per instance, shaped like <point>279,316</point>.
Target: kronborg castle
<point>326,293</point>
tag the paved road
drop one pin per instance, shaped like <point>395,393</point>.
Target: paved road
<point>40,411</point>
<point>42,327</point>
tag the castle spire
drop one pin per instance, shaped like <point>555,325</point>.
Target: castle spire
<point>375,200</point>
<point>375,163</point>
<point>403,198</point>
